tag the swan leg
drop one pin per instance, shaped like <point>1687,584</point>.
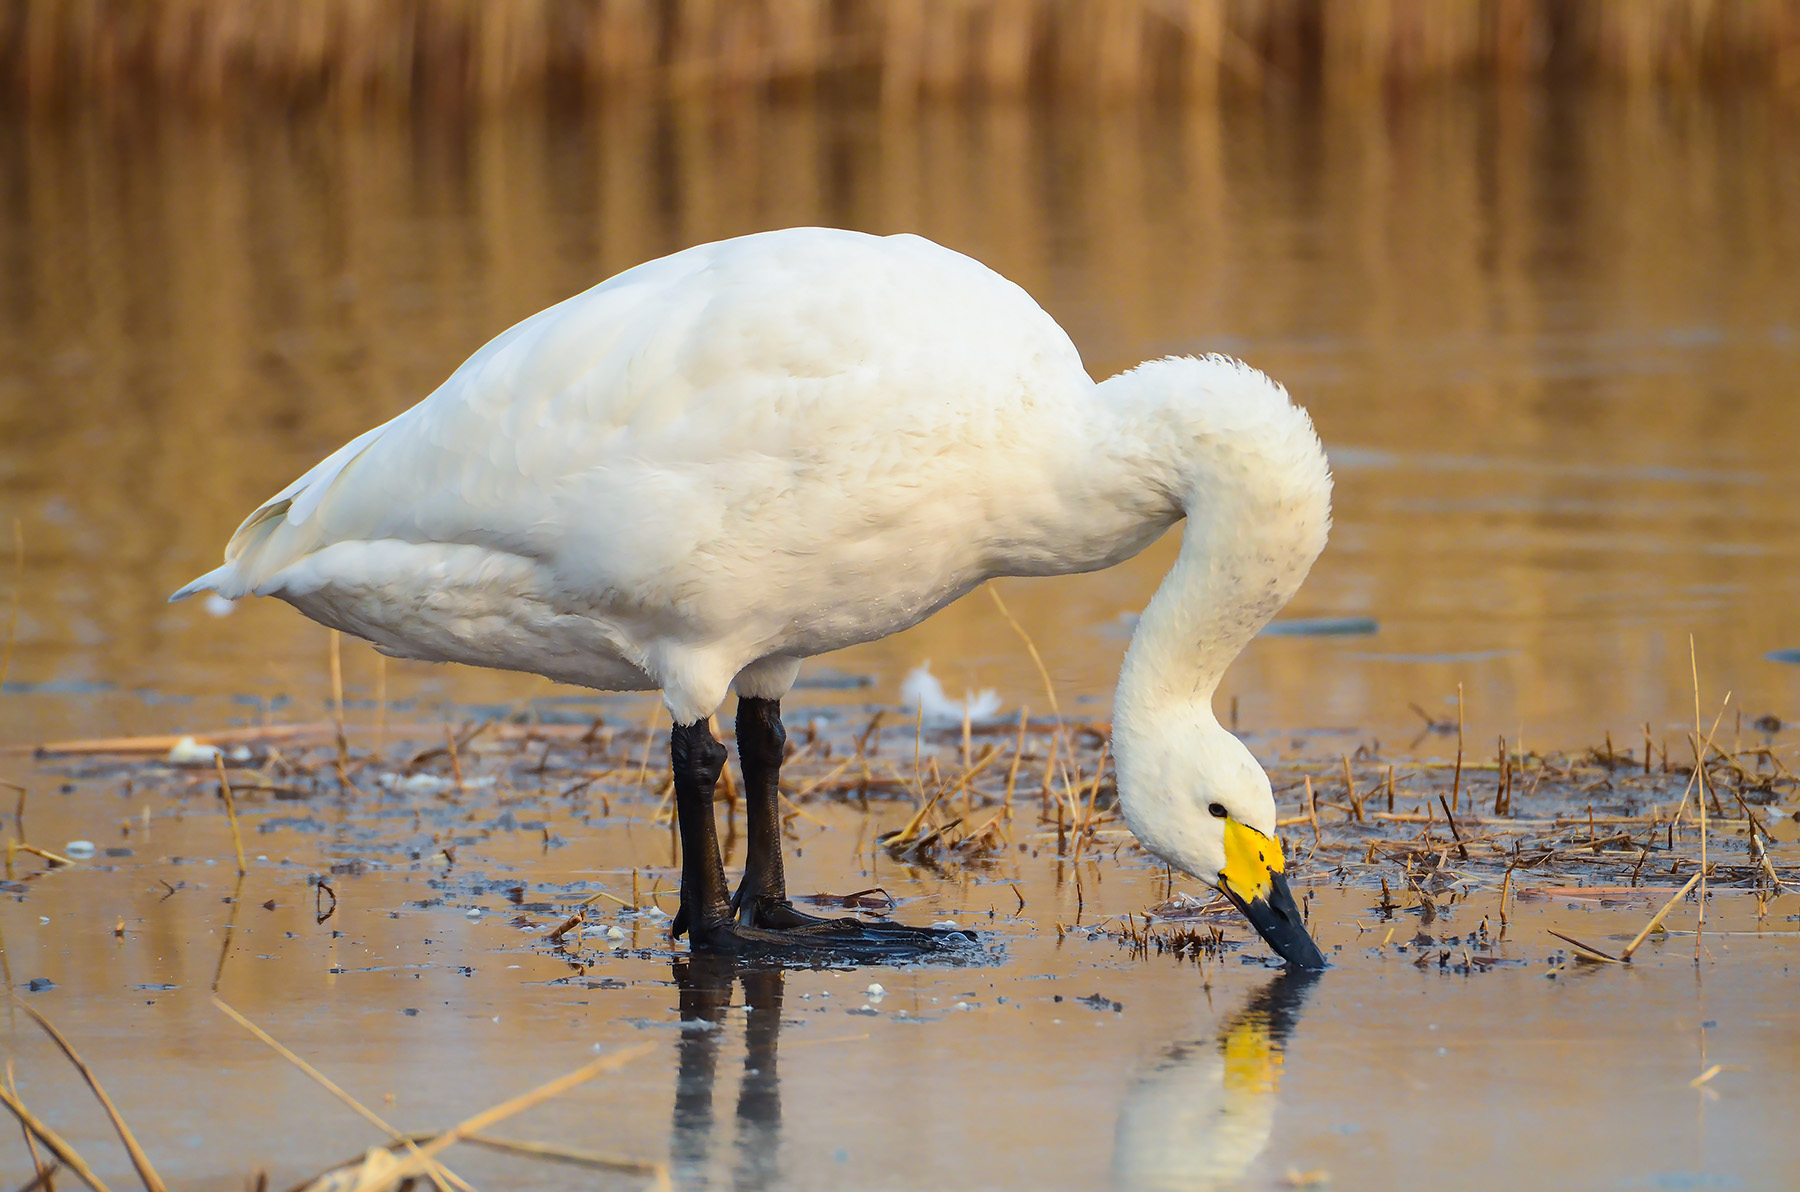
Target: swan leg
<point>695,759</point>
<point>761,900</point>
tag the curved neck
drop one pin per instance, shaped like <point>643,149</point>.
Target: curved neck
<point>1246,466</point>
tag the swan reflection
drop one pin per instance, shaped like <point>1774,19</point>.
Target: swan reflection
<point>705,986</point>
<point>1199,1116</point>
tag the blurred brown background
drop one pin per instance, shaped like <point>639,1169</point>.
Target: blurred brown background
<point>353,51</point>
<point>1531,266</point>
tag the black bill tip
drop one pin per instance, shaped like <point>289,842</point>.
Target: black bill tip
<point>1276,918</point>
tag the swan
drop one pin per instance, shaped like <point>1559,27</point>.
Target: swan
<point>716,464</point>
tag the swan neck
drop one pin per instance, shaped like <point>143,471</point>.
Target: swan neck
<point>1246,467</point>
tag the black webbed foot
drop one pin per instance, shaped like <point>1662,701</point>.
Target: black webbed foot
<point>828,941</point>
<point>778,914</point>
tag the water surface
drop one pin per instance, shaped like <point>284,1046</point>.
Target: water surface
<point>1549,340</point>
<point>1436,1043</point>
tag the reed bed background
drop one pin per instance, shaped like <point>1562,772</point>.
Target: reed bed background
<point>356,51</point>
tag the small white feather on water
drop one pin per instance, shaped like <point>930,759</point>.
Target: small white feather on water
<point>921,692</point>
<point>188,752</point>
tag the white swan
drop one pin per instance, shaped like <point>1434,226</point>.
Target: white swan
<point>716,464</point>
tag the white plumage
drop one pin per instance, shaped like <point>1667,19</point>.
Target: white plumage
<point>716,464</point>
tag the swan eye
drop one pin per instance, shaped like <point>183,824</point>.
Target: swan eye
<point>1217,810</point>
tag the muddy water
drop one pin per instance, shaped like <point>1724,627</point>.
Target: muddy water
<point>1549,340</point>
<point>1437,1050</point>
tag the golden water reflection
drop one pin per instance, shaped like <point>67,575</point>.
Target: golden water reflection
<point>1200,1115</point>
<point>1549,339</point>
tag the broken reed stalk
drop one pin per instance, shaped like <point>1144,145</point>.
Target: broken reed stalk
<point>1350,791</point>
<point>53,1142</point>
<point>1503,787</point>
<point>1456,782</point>
<point>1462,850</point>
<point>433,1171</point>
<point>139,1160</point>
<point>1312,811</point>
<point>237,841</point>
<point>1656,921</point>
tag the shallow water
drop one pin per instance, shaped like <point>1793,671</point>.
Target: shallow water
<point>1473,1060</point>
<point>1549,339</point>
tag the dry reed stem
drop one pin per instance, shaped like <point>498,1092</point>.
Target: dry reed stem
<point>34,850</point>
<point>1312,811</point>
<point>1037,659</point>
<point>455,755</point>
<point>18,594</point>
<point>792,806</point>
<point>435,1172</point>
<point>139,1160</point>
<point>381,710</point>
<point>909,833</point>
<point>237,841</point>
<point>563,1154</point>
<point>1585,951</point>
<point>423,1156</point>
<point>45,1171</point>
<point>1456,782</point>
<point>18,808</point>
<point>163,742</point>
<point>1700,784</point>
<point>1012,771</point>
<point>1657,919</point>
<point>649,741</point>
<point>237,898</point>
<point>1681,810</point>
<point>53,1142</point>
<point>337,706</point>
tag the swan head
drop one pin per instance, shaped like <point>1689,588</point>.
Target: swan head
<point>1196,798</point>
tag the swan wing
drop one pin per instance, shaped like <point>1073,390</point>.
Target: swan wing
<point>615,435</point>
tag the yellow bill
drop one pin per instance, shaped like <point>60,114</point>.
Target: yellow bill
<point>1253,880</point>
